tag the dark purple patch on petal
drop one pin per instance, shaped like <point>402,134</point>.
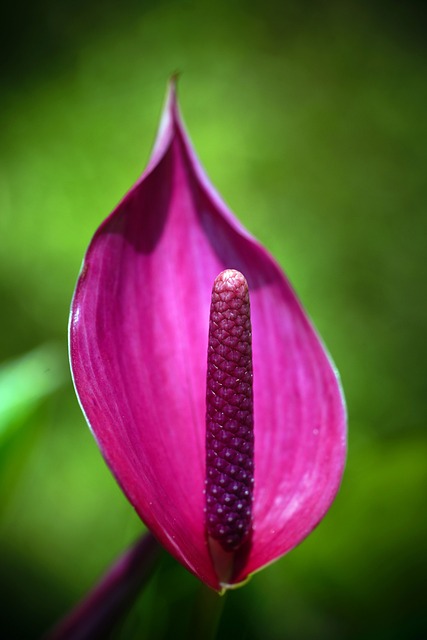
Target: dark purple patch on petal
<point>229,413</point>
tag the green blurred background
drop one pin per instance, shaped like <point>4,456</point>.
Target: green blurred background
<point>310,118</point>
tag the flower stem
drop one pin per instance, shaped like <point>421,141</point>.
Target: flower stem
<point>207,614</point>
<point>109,600</point>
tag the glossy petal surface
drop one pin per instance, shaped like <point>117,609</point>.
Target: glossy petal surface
<point>138,343</point>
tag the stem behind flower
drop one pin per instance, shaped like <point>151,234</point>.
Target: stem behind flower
<point>104,606</point>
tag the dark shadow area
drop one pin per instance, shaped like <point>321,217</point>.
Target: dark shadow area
<point>145,208</point>
<point>36,37</point>
<point>30,598</point>
<point>39,37</point>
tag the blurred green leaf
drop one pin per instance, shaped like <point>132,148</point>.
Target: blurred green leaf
<point>25,381</point>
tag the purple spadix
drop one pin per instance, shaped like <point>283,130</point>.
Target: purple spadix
<point>229,413</point>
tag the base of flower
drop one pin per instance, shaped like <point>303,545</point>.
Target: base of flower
<point>223,562</point>
<point>236,585</point>
<point>225,565</point>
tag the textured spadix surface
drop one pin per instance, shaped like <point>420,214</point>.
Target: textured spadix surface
<point>229,413</point>
<point>138,343</point>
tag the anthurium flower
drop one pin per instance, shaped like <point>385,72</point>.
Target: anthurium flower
<point>139,331</point>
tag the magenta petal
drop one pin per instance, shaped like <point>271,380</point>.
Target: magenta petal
<point>300,428</point>
<point>138,343</point>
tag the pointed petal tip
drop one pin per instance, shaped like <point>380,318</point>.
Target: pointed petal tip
<point>169,119</point>
<point>172,90</point>
<point>173,81</point>
<point>172,96</point>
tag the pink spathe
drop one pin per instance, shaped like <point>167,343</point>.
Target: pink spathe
<point>138,344</point>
